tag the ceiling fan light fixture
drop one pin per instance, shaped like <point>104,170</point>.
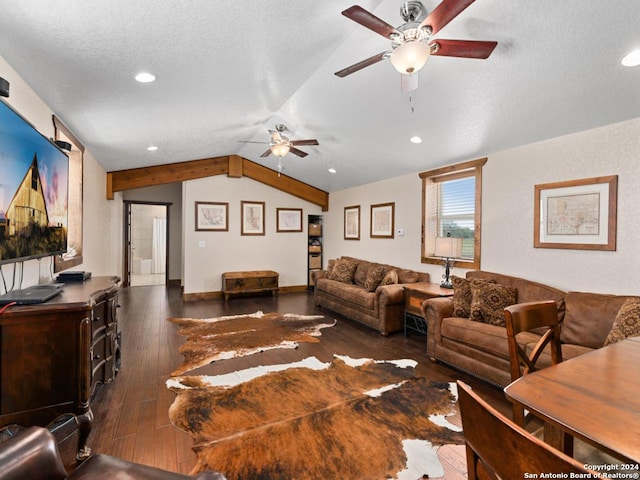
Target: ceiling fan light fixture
<point>280,149</point>
<point>145,77</point>
<point>632,59</point>
<point>410,57</point>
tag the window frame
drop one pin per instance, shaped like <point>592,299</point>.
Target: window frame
<point>61,132</point>
<point>471,168</point>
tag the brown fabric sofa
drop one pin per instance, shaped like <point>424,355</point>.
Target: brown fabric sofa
<point>351,292</point>
<point>481,348</point>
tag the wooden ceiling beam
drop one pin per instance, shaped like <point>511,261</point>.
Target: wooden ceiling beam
<point>285,183</point>
<point>121,180</point>
<point>233,165</point>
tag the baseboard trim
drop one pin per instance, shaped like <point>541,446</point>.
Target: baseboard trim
<point>194,297</point>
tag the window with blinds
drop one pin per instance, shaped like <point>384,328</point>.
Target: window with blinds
<point>452,207</point>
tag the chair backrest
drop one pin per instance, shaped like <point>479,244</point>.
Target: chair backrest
<point>498,448</point>
<point>32,454</point>
<point>525,317</point>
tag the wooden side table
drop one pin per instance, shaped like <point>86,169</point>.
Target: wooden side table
<point>414,296</point>
<point>256,281</point>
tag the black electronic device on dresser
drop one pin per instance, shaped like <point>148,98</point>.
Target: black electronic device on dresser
<point>31,295</point>
<point>53,355</point>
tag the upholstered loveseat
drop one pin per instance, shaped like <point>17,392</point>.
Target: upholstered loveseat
<point>467,330</point>
<point>371,293</point>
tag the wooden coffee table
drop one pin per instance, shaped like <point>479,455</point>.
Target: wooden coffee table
<point>595,397</point>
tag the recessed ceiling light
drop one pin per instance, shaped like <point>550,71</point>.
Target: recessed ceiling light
<point>332,170</point>
<point>145,77</point>
<point>152,148</point>
<point>632,59</point>
<point>415,139</point>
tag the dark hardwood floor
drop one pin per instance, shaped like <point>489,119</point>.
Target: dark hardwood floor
<point>131,413</point>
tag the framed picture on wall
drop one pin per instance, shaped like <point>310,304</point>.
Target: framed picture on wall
<point>352,223</point>
<point>212,217</point>
<point>382,220</point>
<point>252,218</point>
<point>576,214</point>
<point>289,219</point>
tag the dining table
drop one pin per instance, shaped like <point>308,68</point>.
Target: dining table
<point>594,397</point>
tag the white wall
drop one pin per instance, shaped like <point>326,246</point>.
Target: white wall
<point>285,253</point>
<point>507,214</point>
<point>102,230</point>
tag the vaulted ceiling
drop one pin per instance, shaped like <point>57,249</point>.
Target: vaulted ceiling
<point>229,70</point>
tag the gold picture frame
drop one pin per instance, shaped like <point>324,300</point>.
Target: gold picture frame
<point>576,214</point>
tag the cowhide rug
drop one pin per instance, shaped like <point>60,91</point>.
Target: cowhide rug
<point>348,419</point>
<point>211,339</point>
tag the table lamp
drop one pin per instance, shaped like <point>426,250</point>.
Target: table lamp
<point>448,248</point>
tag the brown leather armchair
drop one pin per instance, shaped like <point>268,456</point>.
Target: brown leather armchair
<point>33,454</point>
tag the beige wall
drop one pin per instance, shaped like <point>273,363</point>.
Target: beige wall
<point>507,224</point>
<point>509,179</point>
<point>102,230</point>
<point>285,253</point>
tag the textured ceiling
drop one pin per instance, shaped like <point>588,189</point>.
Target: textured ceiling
<point>229,70</point>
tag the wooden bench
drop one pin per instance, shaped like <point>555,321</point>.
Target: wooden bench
<point>258,281</point>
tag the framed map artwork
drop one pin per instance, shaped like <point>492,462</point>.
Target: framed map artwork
<point>577,214</point>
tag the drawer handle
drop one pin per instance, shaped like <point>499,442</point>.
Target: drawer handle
<point>96,357</point>
<point>96,318</point>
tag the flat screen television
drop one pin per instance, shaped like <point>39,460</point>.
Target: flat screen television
<point>34,187</point>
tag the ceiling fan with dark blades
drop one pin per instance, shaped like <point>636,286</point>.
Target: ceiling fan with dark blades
<point>412,43</point>
<point>280,145</point>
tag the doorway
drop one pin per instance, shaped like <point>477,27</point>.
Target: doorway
<point>147,241</point>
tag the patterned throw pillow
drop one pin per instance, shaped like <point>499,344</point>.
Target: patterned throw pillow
<point>407,276</point>
<point>343,271</point>
<point>627,322</point>
<point>375,274</point>
<point>391,278</point>
<point>330,265</point>
<point>462,295</point>
<point>489,301</point>
<point>360,275</point>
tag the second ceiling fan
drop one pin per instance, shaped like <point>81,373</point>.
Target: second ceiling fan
<point>281,145</point>
<point>411,42</point>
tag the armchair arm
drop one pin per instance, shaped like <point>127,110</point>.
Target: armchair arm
<point>434,310</point>
<point>31,454</point>
<point>317,275</point>
<point>389,295</point>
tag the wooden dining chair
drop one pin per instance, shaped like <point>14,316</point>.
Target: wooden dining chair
<point>541,317</point>
<point>498,448</point>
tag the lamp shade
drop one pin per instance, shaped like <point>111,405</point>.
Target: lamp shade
<point>448,247</point>
<point>280,149</point>
<point>410,57</point>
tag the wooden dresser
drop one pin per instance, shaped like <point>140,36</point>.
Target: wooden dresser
<point>53,355</point>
